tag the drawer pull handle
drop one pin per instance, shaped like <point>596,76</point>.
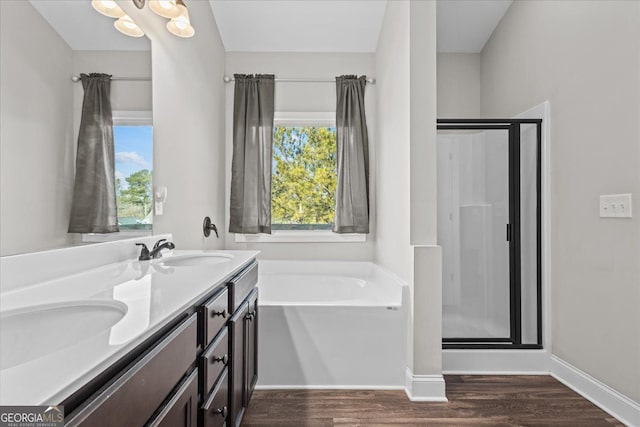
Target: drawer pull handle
<point>224,359</point>
<point>250,315</point>
<point>222,412</point>
<point>222,313</point>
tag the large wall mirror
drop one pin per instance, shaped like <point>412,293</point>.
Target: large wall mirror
<point>44,44</point>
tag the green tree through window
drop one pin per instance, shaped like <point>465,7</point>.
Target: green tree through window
<point>135,200</point>
<point>304,177</point>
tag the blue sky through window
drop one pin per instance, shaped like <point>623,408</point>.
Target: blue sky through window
<point>134,150</point>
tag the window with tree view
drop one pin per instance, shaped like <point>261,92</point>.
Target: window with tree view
<point>303,182</point>
<point>134,148</point>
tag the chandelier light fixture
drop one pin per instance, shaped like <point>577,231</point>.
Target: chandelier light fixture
<point>175,10</point>
<point>127,27</point>
<point>181,25</point>
<point>166,8</point>
<point>108,8</point>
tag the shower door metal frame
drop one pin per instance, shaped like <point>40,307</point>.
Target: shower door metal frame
<point>513,126</point>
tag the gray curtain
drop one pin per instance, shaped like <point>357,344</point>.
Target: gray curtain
<point>352,192</point>
<point>93,208</point>
<point>253,108</point>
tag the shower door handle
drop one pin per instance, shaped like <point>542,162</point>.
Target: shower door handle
<point>508,232</point>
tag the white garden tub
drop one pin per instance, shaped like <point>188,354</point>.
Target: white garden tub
<point>331,324</point>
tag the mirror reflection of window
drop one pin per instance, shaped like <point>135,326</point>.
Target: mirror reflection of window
<point>134,183</point>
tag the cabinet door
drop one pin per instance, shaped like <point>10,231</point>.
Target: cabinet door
<point>182,409</point>
<point>133,397</point>
<point>251,346</point>
<point>237,326</point>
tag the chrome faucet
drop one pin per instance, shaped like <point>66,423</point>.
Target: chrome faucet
<point>156,252</point>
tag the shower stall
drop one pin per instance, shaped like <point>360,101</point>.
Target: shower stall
<point>489,221</point>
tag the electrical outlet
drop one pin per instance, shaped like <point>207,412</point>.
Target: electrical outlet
<point>615,206</point>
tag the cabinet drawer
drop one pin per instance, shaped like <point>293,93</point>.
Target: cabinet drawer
<point>214,360</point>
<point>182,409</point>
<point>215,410</point>
<point>214,316</point>
<point>241,285</point>
<point>133,397</point>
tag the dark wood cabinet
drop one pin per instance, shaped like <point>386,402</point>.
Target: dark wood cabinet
<point>214,359</point>
<point>198,372</point>
<point>133,397</point>
<point>251,345</point>
<point>237,325</point>
<point>182,408</point>
<point>215,313</point>
<point>244,364</point>
<point>230,353</point>
<point>215,409</point>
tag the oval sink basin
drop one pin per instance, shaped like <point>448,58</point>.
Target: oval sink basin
<point>32,332</point>
<point>194,260</point>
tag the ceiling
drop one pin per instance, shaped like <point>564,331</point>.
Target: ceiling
<point>465,25</point>
<point>299,26</point>
<point>329,25</point>
<point>85,29</point>
<point>286,25</point>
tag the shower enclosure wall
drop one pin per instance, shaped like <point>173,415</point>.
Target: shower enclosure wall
<point>489,231</point>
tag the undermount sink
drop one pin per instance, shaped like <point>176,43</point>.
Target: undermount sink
<point>32,332</point>
<point>194,260</point>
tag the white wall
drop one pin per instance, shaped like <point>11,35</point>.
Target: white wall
<point>458,85</point>
<point>427,257</point>
<point>406,241</point>
<point>125,95</point>
<point>306,97</point>
<point>188,120</point>
<point>584,58</point>
<point>36,155</point>
<point>392,249</point>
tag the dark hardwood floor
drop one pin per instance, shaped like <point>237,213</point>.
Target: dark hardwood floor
<point>473,401</point>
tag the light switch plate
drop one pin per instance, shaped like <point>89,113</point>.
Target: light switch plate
<point>615,206</point>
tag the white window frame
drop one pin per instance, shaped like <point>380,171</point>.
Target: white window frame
<point>327,119</point>
<point>123,118</point>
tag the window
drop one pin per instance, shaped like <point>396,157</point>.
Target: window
<point>133,140</point>
<point>134,148</point>
<point>303,182</point>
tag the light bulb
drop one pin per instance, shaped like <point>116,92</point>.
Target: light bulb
<point>127,27</point>
<point>165,8</point>
<point>108,8</point>
<point>181,23</point>
<point>181,26</point>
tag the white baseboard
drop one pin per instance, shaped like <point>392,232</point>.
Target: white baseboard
<point>608,399</point>
<point>495,362</point>
<point>425,388</point>
<point>329,387</point>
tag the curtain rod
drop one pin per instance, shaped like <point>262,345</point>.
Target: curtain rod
<point>228,79</point>
<point>76,79</point>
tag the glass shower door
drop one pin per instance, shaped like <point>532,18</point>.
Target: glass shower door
<point>473,215</point>
<point>489,230</point>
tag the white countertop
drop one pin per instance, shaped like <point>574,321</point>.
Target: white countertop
<point>153,296</point>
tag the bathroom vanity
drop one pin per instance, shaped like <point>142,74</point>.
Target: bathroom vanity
<point>191,360</point>
<point>205,367</point>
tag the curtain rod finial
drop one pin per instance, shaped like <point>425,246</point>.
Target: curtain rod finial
<point>227,79</point>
